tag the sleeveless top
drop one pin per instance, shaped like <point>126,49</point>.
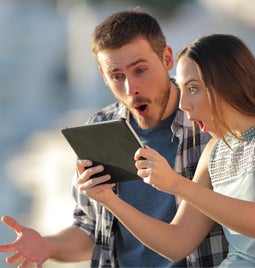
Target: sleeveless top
<point>232,173</point>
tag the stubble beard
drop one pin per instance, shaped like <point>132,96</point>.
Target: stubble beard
<point>146,122</point>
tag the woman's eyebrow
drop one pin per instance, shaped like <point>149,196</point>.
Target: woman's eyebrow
<point>191,80</point>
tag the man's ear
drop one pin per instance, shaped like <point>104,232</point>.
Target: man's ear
<point>102,73</point>
<point>168,58</point>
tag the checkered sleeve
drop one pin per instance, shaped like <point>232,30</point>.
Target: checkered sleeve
<point>84,213</point>
<point>212,251</point>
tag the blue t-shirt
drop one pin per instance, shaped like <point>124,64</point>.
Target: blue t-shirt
<point>130,252</point>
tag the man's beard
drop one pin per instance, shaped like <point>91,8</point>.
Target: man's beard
<point>146,122</point>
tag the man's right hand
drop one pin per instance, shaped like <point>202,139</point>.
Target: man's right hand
<point>28,248</point>
<point>86,170</point>
<point>94,188</point>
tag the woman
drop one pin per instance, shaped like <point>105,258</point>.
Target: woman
<point>216,77</point>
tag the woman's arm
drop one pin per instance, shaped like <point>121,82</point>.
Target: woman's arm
<point>222,209</point>
<point>174,241</point>
<point>233,213</point>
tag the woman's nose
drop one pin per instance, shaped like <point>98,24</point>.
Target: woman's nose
<point>184,103</point>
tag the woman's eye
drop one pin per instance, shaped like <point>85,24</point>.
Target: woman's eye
<point>193,90</point>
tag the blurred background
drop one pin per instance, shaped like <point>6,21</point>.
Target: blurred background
<point>49,80</point>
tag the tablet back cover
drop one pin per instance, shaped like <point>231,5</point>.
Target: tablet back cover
<point>110,143</point>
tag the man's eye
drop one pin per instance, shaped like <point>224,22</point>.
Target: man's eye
<point>140,70</point>
<point>117,77</point>
<point>193,90</point>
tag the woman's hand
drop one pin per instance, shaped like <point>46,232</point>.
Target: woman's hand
<point>155,170</point>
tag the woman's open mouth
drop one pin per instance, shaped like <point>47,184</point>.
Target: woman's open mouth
<point>201,125</point>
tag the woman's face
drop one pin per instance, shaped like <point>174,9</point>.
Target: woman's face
<point>193,94</point>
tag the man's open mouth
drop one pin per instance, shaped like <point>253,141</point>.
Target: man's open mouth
<point>141,107</point>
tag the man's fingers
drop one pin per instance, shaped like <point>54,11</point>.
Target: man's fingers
<point>10,247</point>
<point>12,223</point>
<point>27,262</point>
<point>82,164</point>
<point>7,248</point>
<point>24,264</point>
<point>14,258</point>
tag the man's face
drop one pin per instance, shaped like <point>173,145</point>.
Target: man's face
<point>139,79</point>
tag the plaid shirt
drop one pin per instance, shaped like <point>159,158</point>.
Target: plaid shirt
<point>98,222</point>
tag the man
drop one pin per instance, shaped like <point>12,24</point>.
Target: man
<point>134,61</point>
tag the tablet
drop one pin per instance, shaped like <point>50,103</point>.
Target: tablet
<point>109,143</point>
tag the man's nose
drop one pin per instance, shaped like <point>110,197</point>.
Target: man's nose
<point>131,86</point>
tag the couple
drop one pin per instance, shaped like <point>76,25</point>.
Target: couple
<point>215,89</point>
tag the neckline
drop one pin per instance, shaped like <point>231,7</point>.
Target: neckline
<point>249,133</point>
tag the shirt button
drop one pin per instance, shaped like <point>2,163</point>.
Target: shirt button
<point>107,227</point>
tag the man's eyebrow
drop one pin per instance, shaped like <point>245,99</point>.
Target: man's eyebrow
<point>129,65</point>
<point>136,62</point>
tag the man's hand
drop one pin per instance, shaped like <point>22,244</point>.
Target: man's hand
<point>29,247</point>
<point>93,187</point>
